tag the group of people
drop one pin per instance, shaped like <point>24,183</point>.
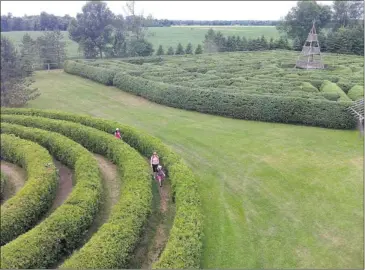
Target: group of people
<point>158,172</point>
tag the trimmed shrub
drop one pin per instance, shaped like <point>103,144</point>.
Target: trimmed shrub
<point>345,85</point>
<point>329,87</point>
<point>63,231</point>
<point>22,211</point>
<point>2,184</point>
<point>307,87</point>
<point>183,249</point>
<point>356,92</point>
<point>98,74</point>
<point>331,96</point>
<point>128,216</point>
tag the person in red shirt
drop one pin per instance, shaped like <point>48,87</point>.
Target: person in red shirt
<point>117,134</point>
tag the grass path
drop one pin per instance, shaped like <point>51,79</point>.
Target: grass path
<point>15,179</point>
<point>273,195</point>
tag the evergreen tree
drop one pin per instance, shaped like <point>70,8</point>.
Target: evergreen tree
<point>28,54</point>
<point>180,50</point>
<point>199,49</point>
<point>170,51</point>
<point>189,49</point>
<point>160,51</point>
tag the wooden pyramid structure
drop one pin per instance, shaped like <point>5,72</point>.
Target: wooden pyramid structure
<point>310,57</point>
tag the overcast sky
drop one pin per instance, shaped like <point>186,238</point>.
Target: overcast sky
<point>178,10</point>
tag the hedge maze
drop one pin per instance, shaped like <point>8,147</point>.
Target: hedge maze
<point>261,86</point>
<point>32,239</point>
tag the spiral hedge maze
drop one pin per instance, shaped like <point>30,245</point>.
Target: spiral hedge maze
<point>59,239</point>
<point>260,86</point>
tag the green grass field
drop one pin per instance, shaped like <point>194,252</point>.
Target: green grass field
<point>168,36</point>
<point>273,195</point>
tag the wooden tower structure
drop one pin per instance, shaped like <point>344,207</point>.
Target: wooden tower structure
<point>310,57</point>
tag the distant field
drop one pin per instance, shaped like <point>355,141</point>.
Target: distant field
<point>170,36</point>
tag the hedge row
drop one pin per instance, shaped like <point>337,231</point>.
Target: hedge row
<point>63,231</point>
<point>183,249</point>
<point>22,211</point>
<point>293,110</point>
<point>101,75</point>
<point>2,184</point>
<point>119,235</point>
<point>356,92</point>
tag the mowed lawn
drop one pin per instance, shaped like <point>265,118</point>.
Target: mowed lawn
<point>167,36</point>
<point>273,195</point>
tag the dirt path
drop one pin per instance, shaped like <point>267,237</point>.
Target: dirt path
<point>156,231</point>
<point>65,184</point>
<point>110,196</point>
<point>15,179</point>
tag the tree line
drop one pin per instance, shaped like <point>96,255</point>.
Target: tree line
<point>42,22</point>
<point>340,27</point>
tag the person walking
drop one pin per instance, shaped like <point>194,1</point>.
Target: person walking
<point>155,161</point>
<point>117,133</point>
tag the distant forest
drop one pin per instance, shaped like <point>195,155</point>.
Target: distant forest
<point>50,22</point>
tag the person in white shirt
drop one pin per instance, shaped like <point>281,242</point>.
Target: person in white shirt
<point>155,161</point>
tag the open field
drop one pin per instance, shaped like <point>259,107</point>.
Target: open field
<point>273,195</point>
<point>168,36</point>
<point>261,86</point>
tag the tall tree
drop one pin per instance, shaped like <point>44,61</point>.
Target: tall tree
<point>347,13</point>
<point>15,90</point>
<point>52,48</point>
<point>93,28</point>
<point>28,54</point>
<point>135,22</point>
<point>298,22</point>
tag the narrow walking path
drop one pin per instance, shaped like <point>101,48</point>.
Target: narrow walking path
<point>15,179</point>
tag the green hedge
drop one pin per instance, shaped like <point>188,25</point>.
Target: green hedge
<point>2,184</point>
<point>256,107</point>
<point>329,87</point>
<point>64,230</point>
<point>101,75</point>
<point>183,249</point>
<point>356,92</point>
<point>128,216</point>
<point>308,87</point>
<point>22,211</point>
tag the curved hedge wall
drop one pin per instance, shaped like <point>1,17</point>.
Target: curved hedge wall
<point>330,87</point>
<point>128,216</point>
<point>22,211</point>
<point>63,231</point>
<point>269,108</point>
<point>183,249</point>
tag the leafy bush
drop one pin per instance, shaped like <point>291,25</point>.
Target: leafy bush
<point>345,85</point>
<point>22,212</point>
<point>130,213</point>
<point>183,249</point>
<point>356,92</point>
<point>63,231</point>
<point>329,87</point>
<point>2,184</point>
<point>307,87</point>
<point>331,96</point>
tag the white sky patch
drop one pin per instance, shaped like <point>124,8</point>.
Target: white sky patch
<point>173,10</point>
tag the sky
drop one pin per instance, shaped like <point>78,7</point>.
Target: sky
<point>173,10</point>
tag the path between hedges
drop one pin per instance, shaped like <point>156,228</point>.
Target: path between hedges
<point>15,179</point>
<point>65,184</point>
<point>156,231</point>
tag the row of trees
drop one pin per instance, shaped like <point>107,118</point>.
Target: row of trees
<point>42,22</point>
<point>335,24</point>
<point>180,50</point>
<point>17,67</point>
<point>15,78</point>
<point>166,23</point>
<point>216,42</point>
